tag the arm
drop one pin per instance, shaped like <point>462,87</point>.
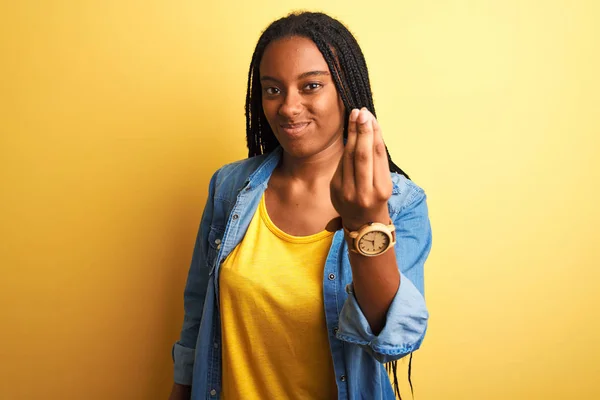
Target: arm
<point>376,281</point>
<point>194,294</point>
<point>180,392</point>
<point>404,320</point>
<point>380,291</point>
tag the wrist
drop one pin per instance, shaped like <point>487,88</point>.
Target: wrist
<point>355,223</point>
<point>372,239</point>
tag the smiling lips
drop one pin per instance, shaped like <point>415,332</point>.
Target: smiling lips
<point>294,129</point>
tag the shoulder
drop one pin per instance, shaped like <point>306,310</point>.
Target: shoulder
<point>405,193</point>
<point>232,177</point>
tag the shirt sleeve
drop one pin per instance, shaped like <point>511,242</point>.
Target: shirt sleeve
<point>407,316</point>
<point>183,351</point>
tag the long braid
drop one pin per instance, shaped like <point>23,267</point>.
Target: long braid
<point>348,67</point>
<point>252,140</point>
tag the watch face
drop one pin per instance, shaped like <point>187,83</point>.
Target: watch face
<point>373,243</point>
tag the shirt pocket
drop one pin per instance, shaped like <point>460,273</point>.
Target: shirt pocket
<point>215,240</point>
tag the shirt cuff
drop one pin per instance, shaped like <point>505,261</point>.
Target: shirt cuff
<point>405,325</point>
<point>183,359</point>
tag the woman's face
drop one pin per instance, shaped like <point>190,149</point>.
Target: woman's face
<point>299,97</point>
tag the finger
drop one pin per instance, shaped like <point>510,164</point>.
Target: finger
<point>381,173</point>
<point>348,157</point>
<point>363,154</point>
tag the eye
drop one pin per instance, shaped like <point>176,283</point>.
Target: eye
<point>271,91</point>
<point>311,87</point>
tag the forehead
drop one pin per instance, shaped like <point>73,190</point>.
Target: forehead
<point>287,58</point>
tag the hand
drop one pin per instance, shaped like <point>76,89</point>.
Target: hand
<point>180,392</point>
<point>361,185</point>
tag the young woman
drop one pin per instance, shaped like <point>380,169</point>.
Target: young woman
<point>307,274</point>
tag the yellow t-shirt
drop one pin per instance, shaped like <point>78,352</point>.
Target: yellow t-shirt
<point>275,343</point>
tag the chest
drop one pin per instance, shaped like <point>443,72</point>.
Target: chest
<point>302,214</point>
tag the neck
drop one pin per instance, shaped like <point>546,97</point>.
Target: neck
<point>315,168</point>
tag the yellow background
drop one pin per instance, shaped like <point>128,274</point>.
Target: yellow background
<point>114,114</point>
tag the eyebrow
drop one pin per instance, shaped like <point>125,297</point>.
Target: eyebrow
<point>301,76</point>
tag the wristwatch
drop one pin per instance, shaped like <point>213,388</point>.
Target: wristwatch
<point>372,239</point>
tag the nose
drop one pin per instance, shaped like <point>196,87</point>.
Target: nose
<point>291,105</point>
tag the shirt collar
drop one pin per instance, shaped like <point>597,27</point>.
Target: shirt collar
<point>265,169</point>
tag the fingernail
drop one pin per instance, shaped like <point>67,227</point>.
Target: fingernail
<point>354,115</point>
<point>362,117</point>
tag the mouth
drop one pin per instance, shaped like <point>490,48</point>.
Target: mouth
<point>294,129</point>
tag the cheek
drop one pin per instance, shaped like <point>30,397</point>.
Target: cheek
<point>331,109</point>
<point>266,108</point>
<point>270,110</point>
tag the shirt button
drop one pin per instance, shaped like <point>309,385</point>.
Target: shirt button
<point>335,331</point>
<point>213,392</point>
<point>343,378</point>
<point>218,241</point>
<point>235,216</point>
<point>331,277</point>
<point>219,246</point>
<point>216,345</point>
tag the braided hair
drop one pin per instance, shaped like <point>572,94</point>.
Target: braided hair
<point>350,75</point>
<point>344,59</point>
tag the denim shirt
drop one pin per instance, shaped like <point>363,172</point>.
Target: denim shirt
<point>234,194</point>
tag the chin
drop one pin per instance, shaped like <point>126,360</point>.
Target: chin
<point>305,146</point>
<point>299,150</point>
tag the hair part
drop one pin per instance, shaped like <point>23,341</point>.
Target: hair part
<point>343,57</point>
